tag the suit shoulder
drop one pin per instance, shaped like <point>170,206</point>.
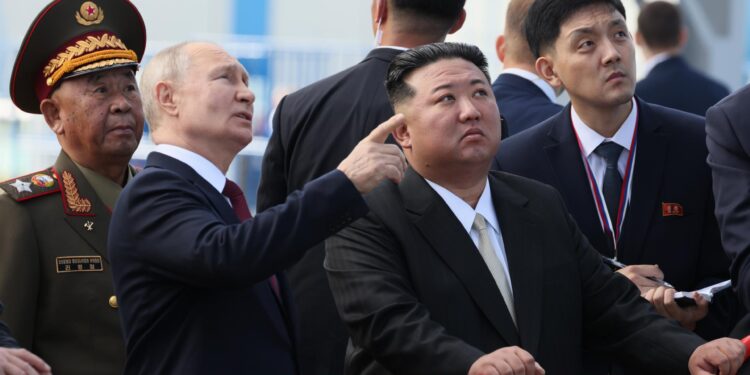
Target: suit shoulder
<point>525,185</point>
<point>32,185</point>
<point>331,83</point>
<point>527,141</point>
<point>735,102</point>
<point>680,121</point>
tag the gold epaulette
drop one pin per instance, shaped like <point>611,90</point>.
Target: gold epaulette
<point>32,185</point>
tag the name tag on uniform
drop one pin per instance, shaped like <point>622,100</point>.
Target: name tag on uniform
<point>79,264</point>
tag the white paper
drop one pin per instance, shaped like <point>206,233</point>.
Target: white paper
<point>707,292</point>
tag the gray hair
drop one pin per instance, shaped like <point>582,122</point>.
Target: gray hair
<point>167,65</point>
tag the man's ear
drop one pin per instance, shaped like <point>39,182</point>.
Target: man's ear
<point>459,22</point>
<point>402,135</point>
<point>50,109</point>
<point>380,12</point>
<point>500,47</point>
<point>683,38</point>
<point>639,40</point>
<point>545,68</point>
<point>164,93</point>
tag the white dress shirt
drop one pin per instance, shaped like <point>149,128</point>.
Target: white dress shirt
<point>590,140</point>
<point>536,80</point>
<point>466,214</point>
<point>202,166</point>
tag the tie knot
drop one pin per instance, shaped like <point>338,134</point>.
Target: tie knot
<point>610,151</point>
<point>479,222</point>
<point>231,189</point>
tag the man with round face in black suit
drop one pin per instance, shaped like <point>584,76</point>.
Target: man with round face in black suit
<point>316,127</point>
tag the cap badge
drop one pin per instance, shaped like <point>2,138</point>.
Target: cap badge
<point>90,14</point>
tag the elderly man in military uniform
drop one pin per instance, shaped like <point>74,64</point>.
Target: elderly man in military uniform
<point>76,67</point>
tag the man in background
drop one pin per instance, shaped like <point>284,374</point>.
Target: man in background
<point>316,127</point>
<point>76,67</point>
<point>728,140</point>
<point>670,81</point>
<point>524,98</point>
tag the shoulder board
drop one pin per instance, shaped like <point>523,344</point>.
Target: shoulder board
<point>32,185</point>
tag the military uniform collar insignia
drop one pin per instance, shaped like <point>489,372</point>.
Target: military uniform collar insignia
<point>74,203</point>
<point>31,186</point>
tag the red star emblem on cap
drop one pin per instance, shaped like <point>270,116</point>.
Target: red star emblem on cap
<point>90,10</point>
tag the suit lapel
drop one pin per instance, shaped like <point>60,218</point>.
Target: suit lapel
<point>524,260</point>
<point>85,212</point>
<point>651,154</point>
<point>221,206</point>
<point>444,232</point>
<point>571,179</point>
<point>218,201</point>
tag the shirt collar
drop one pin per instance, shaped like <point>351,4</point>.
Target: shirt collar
<point>107,190</point>
<point>206,169</point>
<point>590,139</point>
<point>535,79</point>
<point>654,61</point>
<point>464,213</point>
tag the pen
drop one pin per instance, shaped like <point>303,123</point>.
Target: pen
<point>615,264</point>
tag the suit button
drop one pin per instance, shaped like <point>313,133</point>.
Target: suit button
<point>113,302</point>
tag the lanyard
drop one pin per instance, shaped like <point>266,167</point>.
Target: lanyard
<point>625,190</point>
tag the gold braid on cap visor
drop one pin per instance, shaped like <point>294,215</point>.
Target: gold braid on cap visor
<point>90,53</point>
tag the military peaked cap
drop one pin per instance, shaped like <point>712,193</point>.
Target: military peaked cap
<point>74,37</point>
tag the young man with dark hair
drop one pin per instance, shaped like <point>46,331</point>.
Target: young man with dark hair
<point>459,270</point>
<point>524,98</point>
<point>670,81</point>
<point>316,127</point>
<point>632,174</point>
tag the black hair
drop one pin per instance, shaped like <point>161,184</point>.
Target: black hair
<point>428,16</point>
<point>547,16</point>
<point>660,23</point>
<point>410,60</point>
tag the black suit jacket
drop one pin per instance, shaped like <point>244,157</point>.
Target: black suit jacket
<point>522,103</point>
<point>728,139</point>
<point>418,298</point>
<point>6,340</point>
<point>192,280</point>
<point>314,129</point>
<point>675,84</point>
<point>670,167</point>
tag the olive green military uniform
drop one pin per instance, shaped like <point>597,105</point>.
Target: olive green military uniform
<point>55,280</point>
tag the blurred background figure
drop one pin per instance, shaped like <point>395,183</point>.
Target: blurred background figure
<point>670,81</point>
<point>523,97</point>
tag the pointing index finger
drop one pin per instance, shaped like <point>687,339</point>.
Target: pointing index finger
<point>380,134</point>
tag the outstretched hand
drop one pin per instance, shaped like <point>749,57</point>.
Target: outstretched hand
<point>372,161</point>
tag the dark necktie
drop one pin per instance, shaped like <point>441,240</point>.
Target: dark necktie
<point>239,204</point>
<point>612,183</point>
